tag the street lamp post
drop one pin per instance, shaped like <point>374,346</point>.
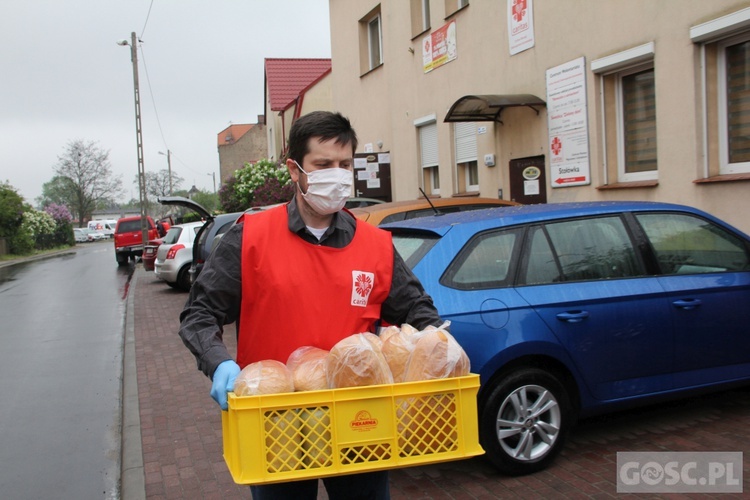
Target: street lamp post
<point>139,136</point>
<point>213,174</point>
<point>169,166</point>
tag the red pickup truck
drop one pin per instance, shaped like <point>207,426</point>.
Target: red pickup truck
<point>129,238</point>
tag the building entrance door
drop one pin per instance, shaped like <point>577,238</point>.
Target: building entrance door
<point>528,180</point>
<point>372,176</point>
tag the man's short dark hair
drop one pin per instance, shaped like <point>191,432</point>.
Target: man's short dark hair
<point>323,125</point>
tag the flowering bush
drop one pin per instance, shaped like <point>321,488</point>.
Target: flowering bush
<point>38,223</point>
<point>273,191</point>
<point>63,234</point>
<point>60,213</point>
<point>44,231</point>
<point>262,183</point>
<point>228,197</point>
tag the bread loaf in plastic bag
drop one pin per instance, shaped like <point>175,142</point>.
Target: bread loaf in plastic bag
<point>264,377</point>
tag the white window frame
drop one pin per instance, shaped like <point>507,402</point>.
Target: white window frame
<point>371,43</point>
<point>709,32</point>
<point>622,175</point>
<point>622,64</point>
<point>465,143</point>
<point>725,167</point>
<point>431,163</point>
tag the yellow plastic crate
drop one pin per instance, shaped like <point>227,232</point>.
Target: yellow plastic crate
<point>305,435</point>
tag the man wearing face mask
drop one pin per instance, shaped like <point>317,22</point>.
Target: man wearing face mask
<point>304,273</point>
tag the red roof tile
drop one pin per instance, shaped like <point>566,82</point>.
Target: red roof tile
<point>286,78</point>
<point>233,131</point>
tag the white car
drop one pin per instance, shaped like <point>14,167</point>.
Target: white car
<point>95,235</point>
<point>80,234</point>
<point>175,254</point>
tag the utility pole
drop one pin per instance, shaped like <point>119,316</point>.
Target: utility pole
<point>139,137</point>
<point>169,168</point>
<point>213,174</point>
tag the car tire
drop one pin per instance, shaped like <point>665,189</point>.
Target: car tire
<point>517,435</point>
<point>183,278</point>
<point>122,259</point>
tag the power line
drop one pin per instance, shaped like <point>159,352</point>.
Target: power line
<point>153,100</point>
<point>147,16</point>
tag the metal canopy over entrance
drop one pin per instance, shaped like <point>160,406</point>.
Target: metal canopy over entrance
<point>487,108</point>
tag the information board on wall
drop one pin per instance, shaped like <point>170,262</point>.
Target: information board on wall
<point>439,47</point>
<point>567,124</point>
<point>520,25</point>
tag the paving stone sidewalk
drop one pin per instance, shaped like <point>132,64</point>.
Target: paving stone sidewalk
<point>180,428</point>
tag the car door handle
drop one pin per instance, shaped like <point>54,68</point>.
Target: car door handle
<point>573,316</point>
<point>687,304</point>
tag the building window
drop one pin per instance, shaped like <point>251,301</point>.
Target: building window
<point>370,41</point>
<point>467,170</point>
<point>453,6</point>
<point>628,114</point>
<point>725,82</point>
<point>428,147</point>
<point>374,41</point>
<point>734,104</point>
<point>637,105</point>
<point>420,17</point>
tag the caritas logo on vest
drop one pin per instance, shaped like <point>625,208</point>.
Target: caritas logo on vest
<point>362,284</point>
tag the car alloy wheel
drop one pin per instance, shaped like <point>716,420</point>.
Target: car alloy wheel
<point>524,421</point>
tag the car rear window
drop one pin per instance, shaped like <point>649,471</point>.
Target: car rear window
<point>172,235</point>
<point>413,246</point>
<point>485,262</point>
<point>128,226</point>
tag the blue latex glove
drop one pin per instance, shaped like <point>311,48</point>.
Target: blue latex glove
<point>223,381</point>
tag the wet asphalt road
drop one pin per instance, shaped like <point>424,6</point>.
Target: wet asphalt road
<point>60,375</point>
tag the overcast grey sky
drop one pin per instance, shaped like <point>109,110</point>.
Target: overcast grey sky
<point>201,68</point>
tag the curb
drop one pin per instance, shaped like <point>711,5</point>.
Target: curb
<point>132,476</point>
<point>21,260</point>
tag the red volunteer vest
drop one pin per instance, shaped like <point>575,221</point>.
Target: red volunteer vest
<point>295,293</point>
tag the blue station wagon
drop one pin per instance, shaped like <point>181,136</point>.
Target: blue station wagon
<point>569,310</point>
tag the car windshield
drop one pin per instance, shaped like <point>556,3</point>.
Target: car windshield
<point>413,246</point>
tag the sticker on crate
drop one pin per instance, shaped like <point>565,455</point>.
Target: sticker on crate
<point>363,421</point>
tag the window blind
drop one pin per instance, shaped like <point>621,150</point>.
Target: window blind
<point>466,141</point>
<point>428,145</point>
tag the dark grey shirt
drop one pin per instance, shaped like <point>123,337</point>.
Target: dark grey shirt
<point>216,295</point>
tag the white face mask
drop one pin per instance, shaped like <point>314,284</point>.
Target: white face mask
<point>327,189</point>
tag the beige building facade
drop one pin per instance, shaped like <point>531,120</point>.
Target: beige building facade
<point>551,100</point>
<point>240,144</point>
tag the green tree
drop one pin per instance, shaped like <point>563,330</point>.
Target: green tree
<point>209,201</point>
<point>59,191</point>
<point>87,167</point>
<point>12,207</point>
